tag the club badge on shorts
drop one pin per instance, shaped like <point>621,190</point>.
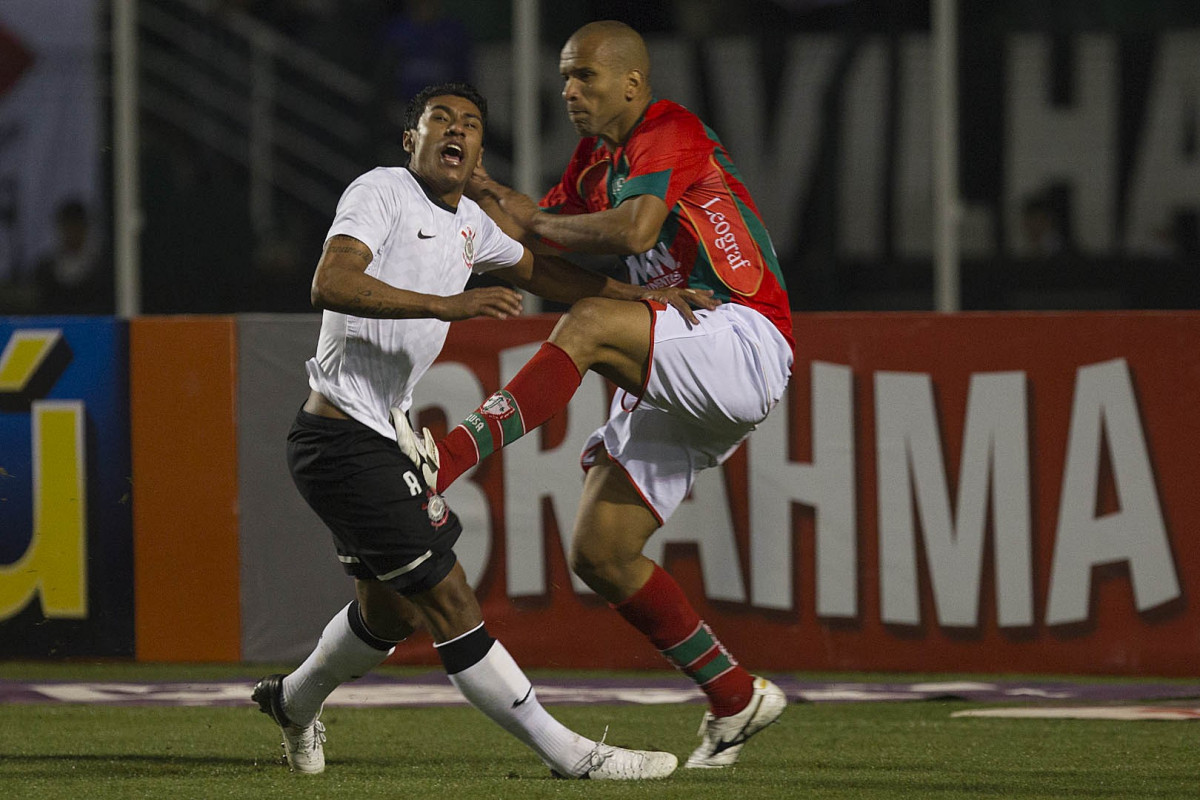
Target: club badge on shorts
<point>437,510</point>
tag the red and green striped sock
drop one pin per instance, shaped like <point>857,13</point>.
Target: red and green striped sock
<point>543,387</point>
<point>661,611</point>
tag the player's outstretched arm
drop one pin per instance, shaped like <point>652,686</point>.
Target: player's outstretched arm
<point>557,279</point>
<point>342,284</point>
<point>488,193</point>
<point>631,227</point>
<point>627,229</point>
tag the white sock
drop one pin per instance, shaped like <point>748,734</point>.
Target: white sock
<point>497,687</point>
<point>341,655</point>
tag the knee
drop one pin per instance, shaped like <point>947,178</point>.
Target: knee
<point>584,324</point>
<point>589,313</point>
<point>450,608</point>
<point>391,619</point>
<point>593,560</point>
<point>390,627</point>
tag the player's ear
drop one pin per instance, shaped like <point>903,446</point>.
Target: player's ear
<point>407,143</point>
<point>478,161</point>
<point>634,80</point>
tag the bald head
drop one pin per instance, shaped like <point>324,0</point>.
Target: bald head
<point>606,80</point>
<point>615,44</point>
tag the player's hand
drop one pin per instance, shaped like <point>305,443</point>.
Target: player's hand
<point>477,186</point>
<point>521,208</point>
<point>684,300</point>
<point>497,302</point>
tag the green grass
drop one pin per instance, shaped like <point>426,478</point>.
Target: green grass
<point>854,750</point>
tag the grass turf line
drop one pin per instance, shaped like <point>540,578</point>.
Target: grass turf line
<point>853,750</point>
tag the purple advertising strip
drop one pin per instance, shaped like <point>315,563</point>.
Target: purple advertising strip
<point>432,689</point>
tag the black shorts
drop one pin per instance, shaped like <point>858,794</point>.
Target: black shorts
<point>386,523</point>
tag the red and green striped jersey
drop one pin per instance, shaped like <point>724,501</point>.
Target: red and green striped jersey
<point>713,238</point>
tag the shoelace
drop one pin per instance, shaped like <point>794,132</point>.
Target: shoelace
<point>311,737</point>
<point>598,754</point>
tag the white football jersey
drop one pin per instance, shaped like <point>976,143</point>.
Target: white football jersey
<point>366,366</point>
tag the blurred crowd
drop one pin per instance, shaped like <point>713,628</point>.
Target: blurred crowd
<point>398,47</point>
<point>193,195</point>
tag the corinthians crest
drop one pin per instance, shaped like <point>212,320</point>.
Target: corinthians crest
<point>468,246</point>
<point>436,508</point>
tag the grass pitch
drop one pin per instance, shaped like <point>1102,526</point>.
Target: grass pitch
<point>844,750</point>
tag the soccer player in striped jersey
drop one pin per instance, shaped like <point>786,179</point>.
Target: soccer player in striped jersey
<point>651,183</point>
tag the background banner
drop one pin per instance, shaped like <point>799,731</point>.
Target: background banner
<point>990,492</point>
<point>66,575</point>
<point>971,492</point>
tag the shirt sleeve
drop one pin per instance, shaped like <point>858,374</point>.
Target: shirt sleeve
<point>366,212</point>
<point>563,199</point>
<point>496,249</point>
<point>666,159</point>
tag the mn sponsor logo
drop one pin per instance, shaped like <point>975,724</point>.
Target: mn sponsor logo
<point>655,269</point>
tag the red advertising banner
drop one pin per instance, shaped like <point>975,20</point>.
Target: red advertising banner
<point>975,492</point>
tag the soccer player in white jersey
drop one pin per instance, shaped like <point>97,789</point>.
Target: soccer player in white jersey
<point>396,261</point>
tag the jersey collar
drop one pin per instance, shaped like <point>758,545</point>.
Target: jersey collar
<point>433,198</point>
<point>637,124</point>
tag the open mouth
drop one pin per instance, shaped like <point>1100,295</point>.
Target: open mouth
<point>453,154</point>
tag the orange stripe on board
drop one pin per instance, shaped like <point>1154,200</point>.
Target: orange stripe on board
<point>183,384</point>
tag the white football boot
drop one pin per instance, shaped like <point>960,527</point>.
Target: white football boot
<point>608,763</point>
<point>723,737</point>
<point>302,744</point>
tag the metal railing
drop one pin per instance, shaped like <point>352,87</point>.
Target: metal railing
<point>291,117</point>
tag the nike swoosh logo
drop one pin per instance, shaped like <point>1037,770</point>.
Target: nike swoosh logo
<point>423,235</point>
<point>723,745</point>
<point>740,737</point>
<point>521,702</point>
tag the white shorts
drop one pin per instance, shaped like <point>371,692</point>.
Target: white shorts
<point>709,386</point>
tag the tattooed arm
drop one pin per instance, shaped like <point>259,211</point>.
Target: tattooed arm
<point>341,283</point>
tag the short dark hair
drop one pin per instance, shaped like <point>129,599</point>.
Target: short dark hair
<point>416,106</point>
